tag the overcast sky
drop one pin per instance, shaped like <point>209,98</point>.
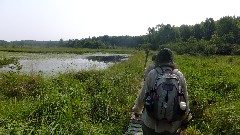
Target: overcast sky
<point>76,19</point>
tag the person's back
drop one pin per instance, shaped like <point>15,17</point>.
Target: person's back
<point>152,125</point>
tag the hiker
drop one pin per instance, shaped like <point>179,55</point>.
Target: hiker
<point>164,98</point>
<point>151,66</point>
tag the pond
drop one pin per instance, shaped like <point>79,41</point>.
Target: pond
<point>52,64</point>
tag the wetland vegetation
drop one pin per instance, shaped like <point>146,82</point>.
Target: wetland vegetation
<point>100,101</point>
<point>53,63</point>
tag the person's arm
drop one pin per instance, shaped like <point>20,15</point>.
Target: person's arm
<point>185,92</point>
<point>137,108</point>
<point>184,88</point>
<point>188,116</point>
<point>139,104</point>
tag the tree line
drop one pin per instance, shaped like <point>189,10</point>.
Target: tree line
<point>30,43</point>
<point>208,37</point>
<point>106,42</point>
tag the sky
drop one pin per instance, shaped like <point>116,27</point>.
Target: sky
<point>76,19</point>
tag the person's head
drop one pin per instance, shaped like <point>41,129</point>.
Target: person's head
<point>154,58</point>
<point>165,57</point>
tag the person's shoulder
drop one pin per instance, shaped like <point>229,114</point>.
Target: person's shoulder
<point>150,67</point>
<point>178,72</point>
<point>152,72</point>
<point>149,75</point>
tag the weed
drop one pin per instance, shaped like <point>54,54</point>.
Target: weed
<point>99,102</point>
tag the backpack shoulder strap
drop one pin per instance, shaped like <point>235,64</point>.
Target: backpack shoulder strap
<point>157,78</point>
<point>176,71</point>
<point>158,70</point>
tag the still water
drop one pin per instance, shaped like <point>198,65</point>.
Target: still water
<point>52,64</point>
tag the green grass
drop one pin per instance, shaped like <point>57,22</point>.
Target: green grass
<point>6,61</point>
<point>75,103</point>
<point>64,50</point>
<point>213,83</point>
<point>100,102</point>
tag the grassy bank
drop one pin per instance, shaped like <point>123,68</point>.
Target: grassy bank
<point>96,102</point>
<point>64,50</point>
<point>100,102</point>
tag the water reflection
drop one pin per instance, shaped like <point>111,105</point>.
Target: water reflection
<point>106,59</point>
<point>52,64</point>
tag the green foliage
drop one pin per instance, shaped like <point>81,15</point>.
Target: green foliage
<point>225,49</point>
<point>223,118</point>
<point>101,42</point>
<point>185,32</point>
<point>87,102</point>
<point>161,34</point>
<point>197,31</point>
<point>228,28</point>
<point>64,50</point>
<point>203,47</point>
<point>19,86</point>
<point>3,43</point>
<point>213,86</point>
<point>194,47</point>
<point>100,101</point>
<point>209,28</point>
<point>222,34</point>
<point>6,61</point>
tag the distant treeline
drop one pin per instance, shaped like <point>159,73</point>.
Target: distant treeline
<point>208,37</point>
<point>106,42</point>
<point>30,43</point>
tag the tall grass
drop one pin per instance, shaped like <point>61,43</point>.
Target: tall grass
<point>100,101</point>
<point>214,89</point>
<point>87,102</point>
<point>6,61</point>
<point>64,50</point>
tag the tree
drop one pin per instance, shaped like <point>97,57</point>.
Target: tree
<point>208,28</point>
<point>105,39</point>
<point>185,32</point>
<point>61,43</point>
<point>3,43</point>
<point>216,40</point>
<point>197,31</point>
<point>168,33</point>
<point>229,29</point>
<point>152,38</point>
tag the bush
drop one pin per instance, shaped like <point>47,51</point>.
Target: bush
<point>20,86</point>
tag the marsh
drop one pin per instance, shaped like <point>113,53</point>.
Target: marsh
<point>52,64</point>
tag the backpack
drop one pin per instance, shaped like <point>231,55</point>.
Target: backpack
<point>163,100</point>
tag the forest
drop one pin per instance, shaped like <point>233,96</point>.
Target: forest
<point>207,37</point>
